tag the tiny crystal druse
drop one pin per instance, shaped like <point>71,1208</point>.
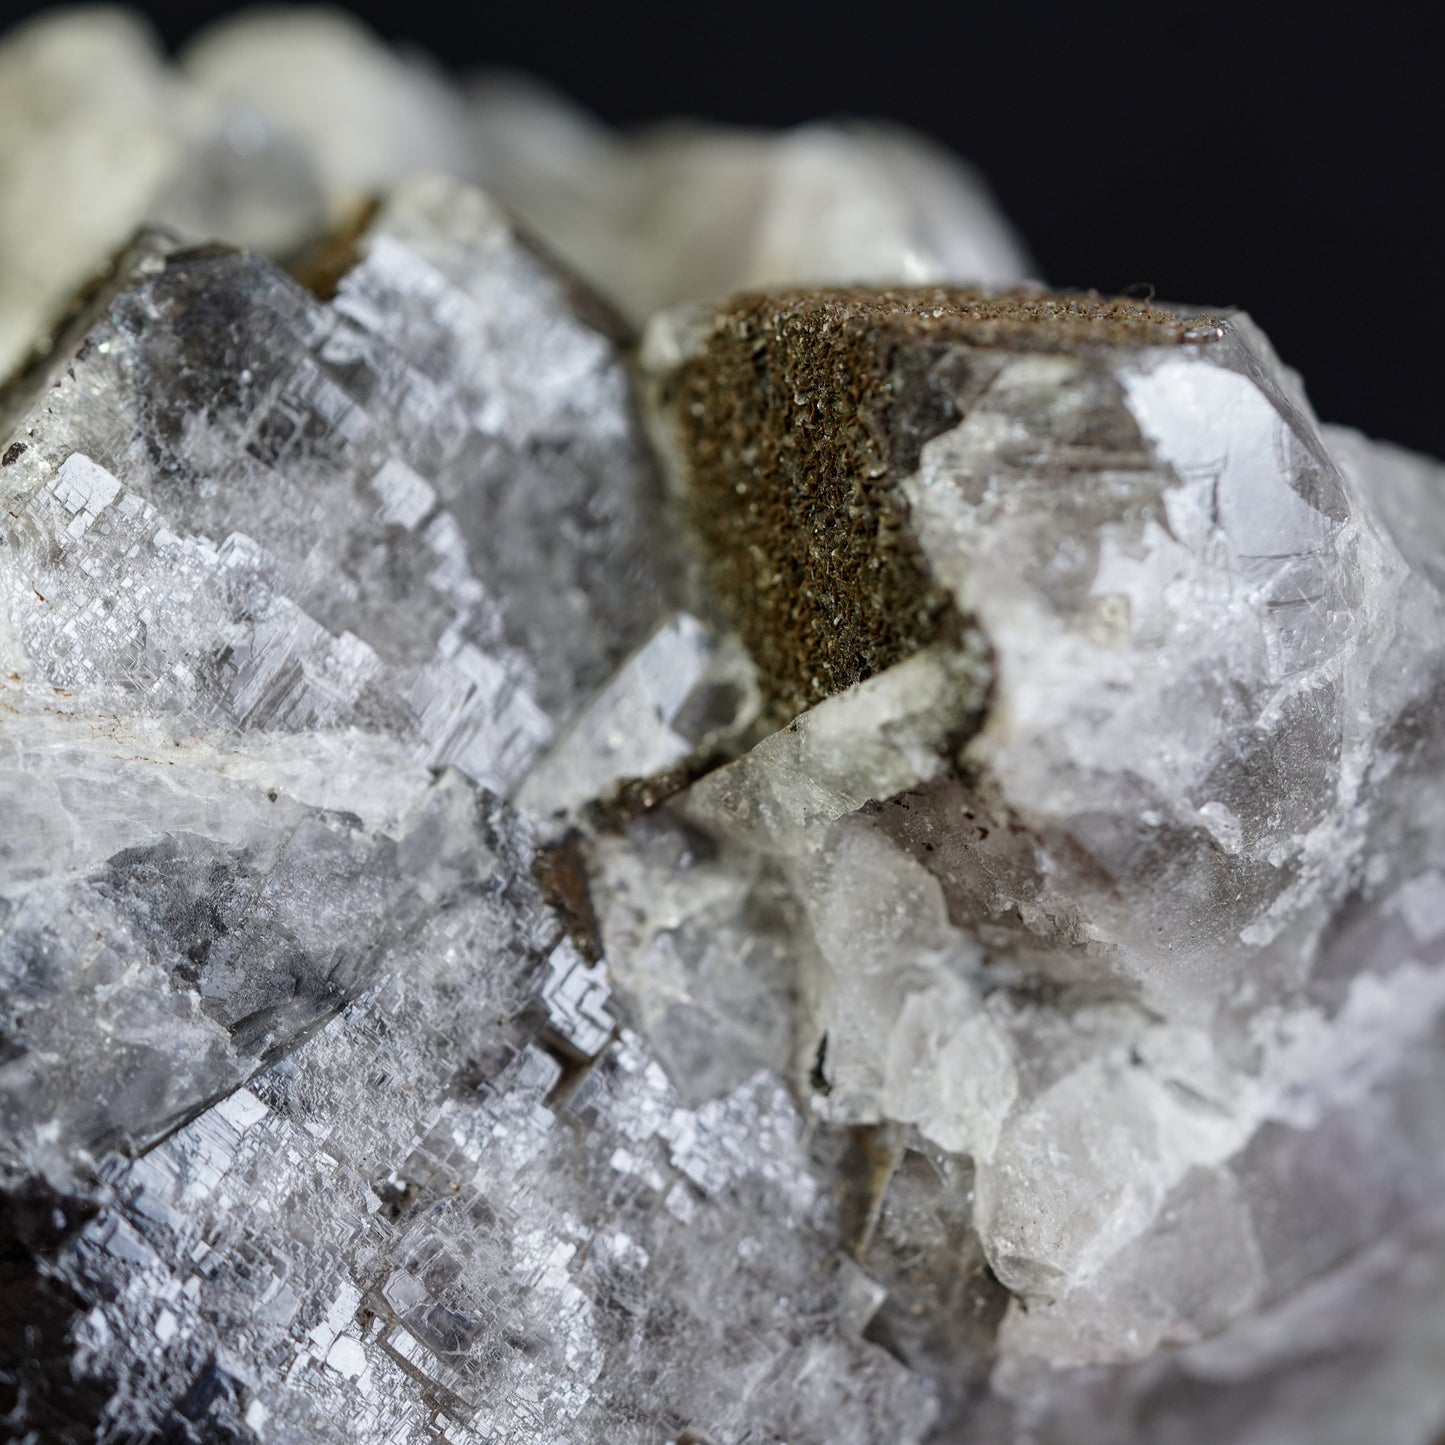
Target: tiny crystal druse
<point>773,844</point>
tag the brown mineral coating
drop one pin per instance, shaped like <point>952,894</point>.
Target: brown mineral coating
<point>798,415</point>
<point>561,873</point>
<point>323,266</point>
<point>321,269</point>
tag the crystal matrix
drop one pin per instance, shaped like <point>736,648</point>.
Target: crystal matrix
<point>1119,870</point>
<point>866,869</point>
<point>274,122</point>
<point>225,836</point>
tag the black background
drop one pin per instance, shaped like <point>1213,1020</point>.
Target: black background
<point>1281,157</point>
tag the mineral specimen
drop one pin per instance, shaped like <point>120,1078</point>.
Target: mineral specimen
<point>248,529</point>
<point>275,122</point>
<point>111,137</point>
<point>867,868</point>
<point>687,212</point>
<point>1117,868</point>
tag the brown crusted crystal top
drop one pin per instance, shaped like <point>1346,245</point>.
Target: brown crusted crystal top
<point>799,413</point>
<point>1021,319</point>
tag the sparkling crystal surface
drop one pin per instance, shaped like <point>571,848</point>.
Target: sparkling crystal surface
<point>1127,885</point>
<point>244,538</point>
<point>862,866</point>
<point>247,763</point>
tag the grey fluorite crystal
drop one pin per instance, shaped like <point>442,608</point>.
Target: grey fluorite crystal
<point>244,532</point>
<point>258,705</point>
<point>867,869</point>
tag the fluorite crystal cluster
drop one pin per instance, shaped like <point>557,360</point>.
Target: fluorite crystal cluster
<point>653,804</point>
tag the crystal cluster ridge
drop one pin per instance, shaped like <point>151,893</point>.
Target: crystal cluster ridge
<point>650,802</point>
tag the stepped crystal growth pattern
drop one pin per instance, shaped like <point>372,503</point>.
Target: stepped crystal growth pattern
<point>751,834</point>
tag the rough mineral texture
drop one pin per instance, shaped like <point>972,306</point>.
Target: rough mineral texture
<point>866,868</point>
<point>1125,881</point>
<point>802,415</point>
<point>244,629</point>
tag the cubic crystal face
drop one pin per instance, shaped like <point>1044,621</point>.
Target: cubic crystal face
<point>235,854</point>
<point>867,868</point>
<point>161,597</point>
<point>478,1239</point>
